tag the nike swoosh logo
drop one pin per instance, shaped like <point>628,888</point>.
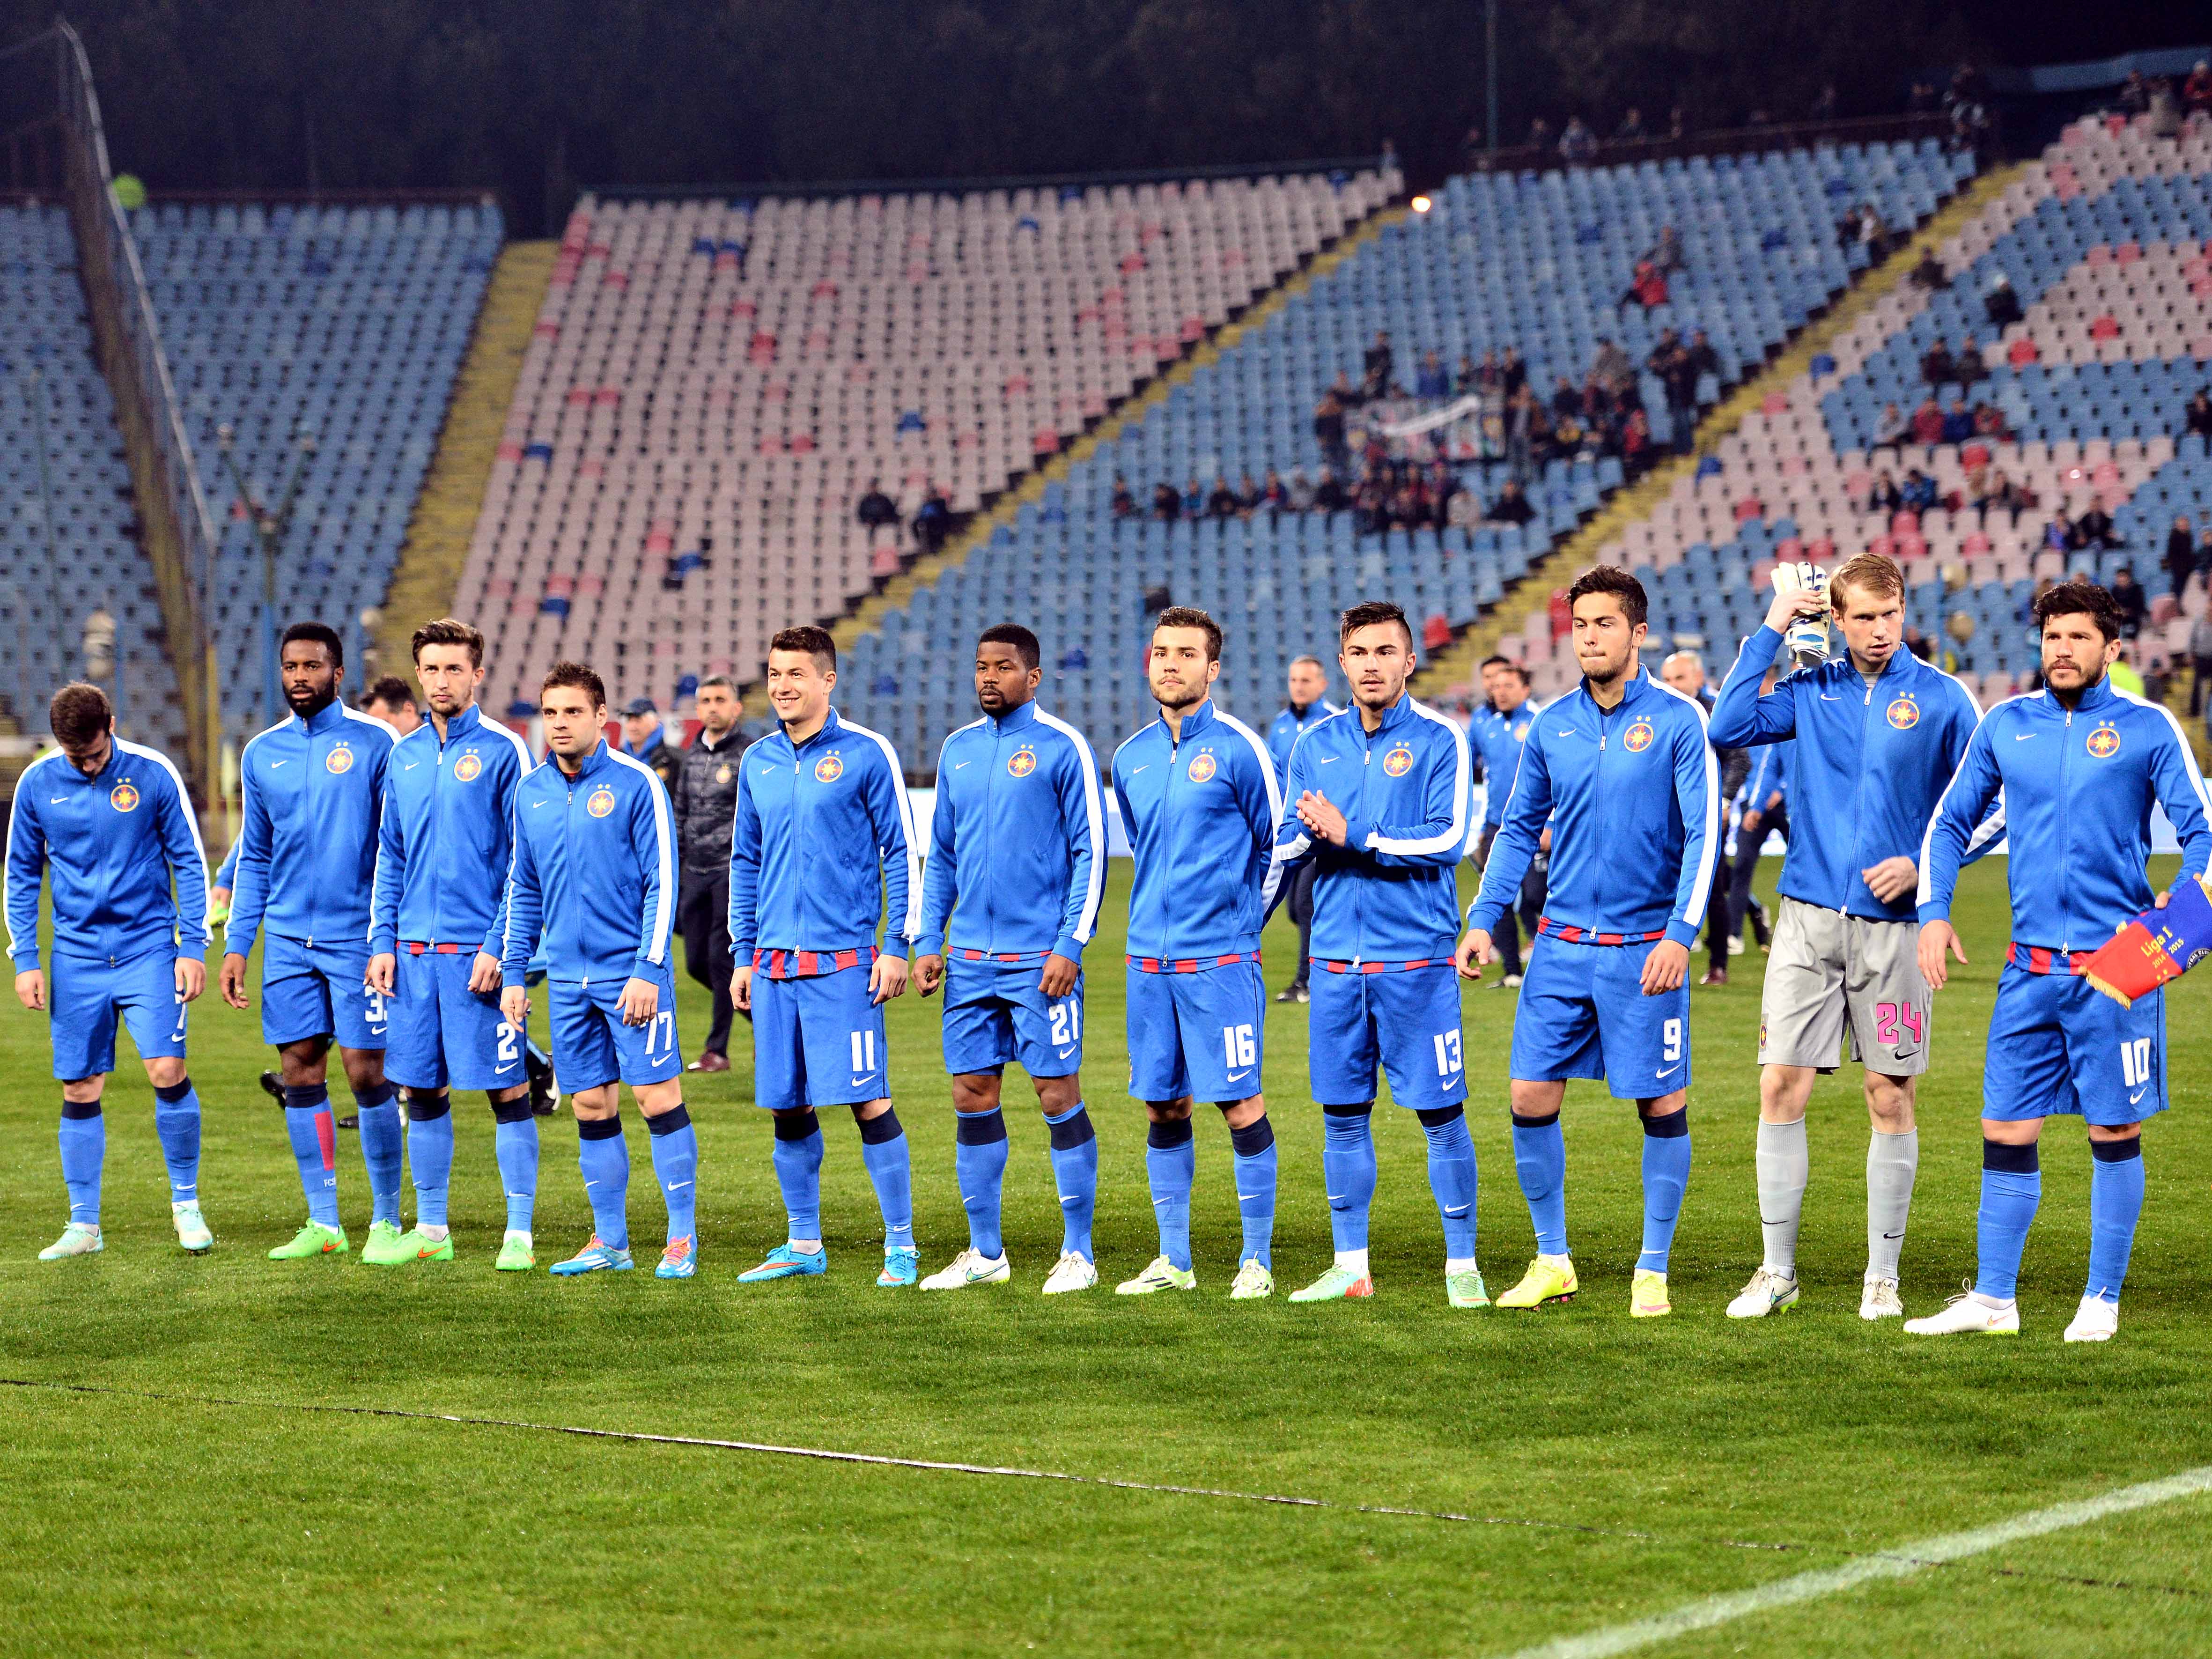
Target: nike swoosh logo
<point>535,804</point>
<point>2021,737</point>
<point>1566,731</point>
<point>1238,1077</point>
<point>1670,1071</point>
<point>410,766</point>
<point>1825,697</point>
<point>1139,769</point>
<point>273,765</point>
<point>58,800</point>
<point>1065,1053</point>
<point>2138,1094</point>
<point>1327,760</point>
<point>1892,1234</point>
<point>1460,1211</point>
<point>678,1186</point>
<point>956,765</point>
<point>858,1081</point>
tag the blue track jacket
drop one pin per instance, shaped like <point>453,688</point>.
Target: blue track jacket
<point>315,801</point>
<point>1632,796</point>
<point>1498,738</point>
<point>1017,846</point>
<point>1288,726</point>
<point>593,871</point>
<point>446,834</point>
<point>2078,786</point>
<point>822,845</point>
<point>129,874</point>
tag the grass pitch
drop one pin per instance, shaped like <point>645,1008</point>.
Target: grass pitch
<point>1604,1469</point>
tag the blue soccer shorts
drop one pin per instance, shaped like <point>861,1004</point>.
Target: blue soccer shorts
<point>995,1013</point>
<point>318,990</point>
<point>2059,1046</point>
<point>1406,1022</point>
<point>1199,1034</point>
<point>1583,1014</point>
<point>818,1041</point>
<point>86,996</point>
<point>592,1047</point>
<point>444,1035</point>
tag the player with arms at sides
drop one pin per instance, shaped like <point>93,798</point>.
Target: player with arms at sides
<point>1018,863</point>
<point>1621,769</point>
<point>437,929</point>
<point>1877,735</point>
<point>2080,764</point>
<point>113,821</point>
<point>592,874</point>
<point>314,797</point>
<point>1379,801</point>
<point>822,844</point>
<point>1307,708</point>
<point>1198,796</point>
<point>1500,727</point>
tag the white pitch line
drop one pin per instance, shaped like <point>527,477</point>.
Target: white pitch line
<point>1900,1563</point>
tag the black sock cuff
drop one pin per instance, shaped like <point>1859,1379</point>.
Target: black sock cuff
<point>314,1095</point>
<point>886,1126</point>
<point>1543,1122</point>
<point>382,1095</point>
<point>1672,1127</point>
<point>1175,1132</point>
<point>1436,1117</point>
<point>796,1126</point>
<point>512,1111</point>
<point>599,1128</point>
<point>2117,1151</point>
<point>1253,1139</point>
<point>2014,1160</point>
<point>1358,1109</point>
<point>170,1093</point>
<point>1071,1131</point>
<point>426,1108</point>
<point>79,1110</point>
<point>668,1122</point>
<point>980,1129</point>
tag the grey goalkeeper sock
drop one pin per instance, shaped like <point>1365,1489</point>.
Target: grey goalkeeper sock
<point>1892,1162</point>
<point>1784,1166</point>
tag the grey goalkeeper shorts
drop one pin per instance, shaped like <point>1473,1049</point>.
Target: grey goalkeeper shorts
<point>1841,988</point>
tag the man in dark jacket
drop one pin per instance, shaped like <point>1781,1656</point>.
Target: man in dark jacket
<point>646,740</point>
<point>705,800</point>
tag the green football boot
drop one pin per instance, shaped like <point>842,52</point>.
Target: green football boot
<point>313,1239</point>
<point>387,1246</point>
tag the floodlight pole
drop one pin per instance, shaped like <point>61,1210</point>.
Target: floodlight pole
<point>36,392</point>
<point>269,528</point>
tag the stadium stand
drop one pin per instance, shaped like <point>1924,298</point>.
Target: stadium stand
<point>63,470</point>
<point>2109,224</point>
<point>347,323</point>
<point>1537,261</point>
<point>714,383</point>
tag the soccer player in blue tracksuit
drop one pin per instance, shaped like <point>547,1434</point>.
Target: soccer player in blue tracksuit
<point>1018,863</point>
<point>1496,735</point>
<point>1621,770</point>
<point>113,823</point>
<point>2080,764</point>
<point>1861,747</point>
<point>592,873</point>
<point>314,789</point>
<point>436,933</point>
<point>1198,799</point>
<point>823,843</point>
<point>1379,801</point>
<point>1306,709</point>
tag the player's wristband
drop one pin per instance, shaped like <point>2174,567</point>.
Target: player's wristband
<point>2157,947</point>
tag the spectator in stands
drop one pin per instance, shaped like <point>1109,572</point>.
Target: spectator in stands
<point>1194,499</point>
<point>1612,365</point>
<point>2200,660</point>
<point>1346,393</point>
<point>2181,555</point>
<point>1124,503</point>
<point>1647,287</point>
<point>1167,502</point>
<point>1370,504</point>
<point>1328,430</point>
<point>1883,498</point>
<point>1378,362</point>
<point>645,739</point>
<point>2204,555</point>
<point>1512,371</point>
<point>1635,442</point>
<point>876,510</point>
<point>1939,366</point>
<point>2095,529</point>
<point>1274,494</point>
<point>1990,422</point>
<point>1566,402</point>
<point>2130,597</point>
<point>2197,418</point>
<point>1631,130</point>
<point>1248,495</point>
<point>1894,432</point>
<point>2165,111</point>
<point>1521,415</point>
<point>1998,493</point>
<point>1928,422</point>
<point>1677,122</point>
<point>1430,381</point>
<point>1702,359</point>
<point>1302,492</point>
<point>1577,144</point>
<point>1824,106</point>
<point>1873,235</point>
<point>1958,422</point>
<point>1968,368</point>
<point>2197,90</point>
<point>932,520</point>
<point>1918,492</point>
<point>1513,505</point>
<point>703,802</point>
<point>1463,377</point>
<point>1929,273</point>
<point>1329,493</point>
<point>2133,95</point>
<point>390,701</point>
<point>1539,134</point>
<point>1462,510</point>
<point>2000,304</point>
<point>1667,252</point>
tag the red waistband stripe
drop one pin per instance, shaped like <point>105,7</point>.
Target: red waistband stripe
<point>1189,964</point>
<point>811,965</point>
<point>1569,935</point>
<point>415,947</point>
<point>2037,960</point>
<point>1328,966</point>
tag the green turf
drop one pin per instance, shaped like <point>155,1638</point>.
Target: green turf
<point>1613,1468</point>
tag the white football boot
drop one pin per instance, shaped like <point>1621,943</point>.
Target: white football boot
<point>191,1227</point>
<point>1768,1293</point>
<point>970,1266</point>
<point>1071,1273</point>
<point>2095,1321</point>
<point>1880,1299</point>
<point>1967,1312</point>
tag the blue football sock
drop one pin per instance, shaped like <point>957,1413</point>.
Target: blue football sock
<point>979,1164</point>
<point>798,1172</point>
<point>383,1149</point>
<point>1666,1173</point>
<point>430,1152</point>
<point>890,1170</point>
<point>1172,1165</point>
<point>2116,1198</point>
<point>1075,1173</point>
<point>177,1121</point>
<point>514,1142</point>
<point>1539,1159</point>
<point>1254,1148</point>
<point>2012,1187</point>
<point>84,1148</point>
<point>676,1165</point>
<point>1348,1165</point>
<point>314,1148</point>
<point>1452,1178</point>
<point>603,1157</point>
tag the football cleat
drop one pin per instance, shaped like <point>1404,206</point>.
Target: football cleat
<point>313,1239</point>
<point>1159,1274</point>
<point>387,1246</point>
<point>1880,1300</point>
<point>1967,1312</point>
<point>971,1266</point>
<point>784,1262</point>
<point>420,1248</point>
<point>679,1261</point>
<point>1465,1290</point>
<point>902,1265</point>
<point>273,1086</point>
<point>1073,1272</point>
<point>2095,1321</point>
<point>598,1256</point>
<point>1647,1296</point>
<point>76,1239</point>
<point>516,1254</point>
<point>1337,1284</point>
<point>1549,1279</point>
<point>1254,1282</point>
<point>1768,1292</point>
<point>191,1227</point>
